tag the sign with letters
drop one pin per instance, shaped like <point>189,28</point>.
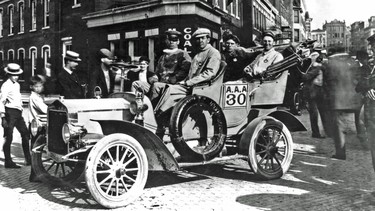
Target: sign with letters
<point>235,95</point>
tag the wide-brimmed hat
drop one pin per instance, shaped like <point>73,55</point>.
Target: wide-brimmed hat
<point>72,56</point>
<point>202,32</point>
<point>13,69</point>
<point>105,53</point>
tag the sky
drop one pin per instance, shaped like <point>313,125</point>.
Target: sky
<point>348,10</point>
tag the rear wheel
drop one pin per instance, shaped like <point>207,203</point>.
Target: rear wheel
<point>116,170</point>
<point>271,152</point>
<point>50,170</point>
<point>198,128</point>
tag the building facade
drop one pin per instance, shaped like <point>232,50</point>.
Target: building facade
<point>36,32</point>
<point>320,36</point>
<point>357,31</point>
<point>336,36</point>
<point>300,16</point>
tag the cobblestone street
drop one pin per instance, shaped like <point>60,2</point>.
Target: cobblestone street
<point>313,182</point>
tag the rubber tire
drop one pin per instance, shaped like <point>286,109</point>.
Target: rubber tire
<point>252,157</point>
<point>176,122</point>
<point>93,161</point>
<point>42,174</point>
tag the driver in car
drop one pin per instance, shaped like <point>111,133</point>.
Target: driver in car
<point>268,57</point>
<point>204,66</point>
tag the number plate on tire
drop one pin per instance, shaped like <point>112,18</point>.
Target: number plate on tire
<point>235,95</point>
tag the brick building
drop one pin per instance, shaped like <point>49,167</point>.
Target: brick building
<point>36,32</point>
<point>336,36</point>
<point>320,35</point>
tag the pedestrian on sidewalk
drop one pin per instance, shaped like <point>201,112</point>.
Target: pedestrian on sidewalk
<point>37,107</point>
<point>11,115</point>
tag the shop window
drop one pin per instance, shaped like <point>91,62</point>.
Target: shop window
<point>11,14</point>
<point>141,47</point>
<point>21,11</point>
<point>46,13</point>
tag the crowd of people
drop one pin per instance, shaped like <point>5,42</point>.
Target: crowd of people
<point>176,73</point>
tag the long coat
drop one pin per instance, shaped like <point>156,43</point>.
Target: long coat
<point>98,79</point>
<point>69,86</point>
<point>342,75</point>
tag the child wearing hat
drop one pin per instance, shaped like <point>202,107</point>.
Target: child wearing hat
<point>11,115</point>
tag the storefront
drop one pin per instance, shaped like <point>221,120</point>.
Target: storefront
<point>138,31</point>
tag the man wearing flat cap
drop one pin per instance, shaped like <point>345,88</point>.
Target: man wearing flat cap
<point>68,83</point>
<point>103,77</point>
<point>11,115</point>
<point>204,66</point>
<point>173,66</point>
<point>266,58</point>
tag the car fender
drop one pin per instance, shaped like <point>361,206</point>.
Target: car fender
<point>250,132</point>
<point>158,156</point>
<point>289,120</point>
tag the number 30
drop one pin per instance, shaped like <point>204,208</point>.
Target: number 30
<point>232,99</point>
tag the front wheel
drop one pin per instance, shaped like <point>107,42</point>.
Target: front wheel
<point>52,171</point>
<point>271,151</point>
<point>116,170</point>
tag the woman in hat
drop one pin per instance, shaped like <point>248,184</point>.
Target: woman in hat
<point>11,115</point>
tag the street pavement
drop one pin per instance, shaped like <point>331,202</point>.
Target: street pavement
<point>313,182</point>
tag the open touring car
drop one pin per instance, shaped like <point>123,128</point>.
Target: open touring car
<point>112,141</point>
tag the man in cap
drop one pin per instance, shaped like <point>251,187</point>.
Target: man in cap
<point>103,77</point>
<point>313,91</point>
<point>11,114</point>
<point>173,66</point>
<point>204,66</point>
<point>266,58</point>
<point>236,57</point>
<point>68,83</point>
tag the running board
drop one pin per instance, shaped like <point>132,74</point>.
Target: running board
<point>215,160</point>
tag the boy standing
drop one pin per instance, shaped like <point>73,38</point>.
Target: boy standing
<point>11,114</point>
<point>36,107</point>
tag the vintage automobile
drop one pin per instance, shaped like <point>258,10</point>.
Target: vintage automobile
<point>113,143</point>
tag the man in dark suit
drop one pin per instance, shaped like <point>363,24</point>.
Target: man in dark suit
<point>103,77</point>
<point>68,83</point>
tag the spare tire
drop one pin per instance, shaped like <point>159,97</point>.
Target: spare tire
<point>197,128</point>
